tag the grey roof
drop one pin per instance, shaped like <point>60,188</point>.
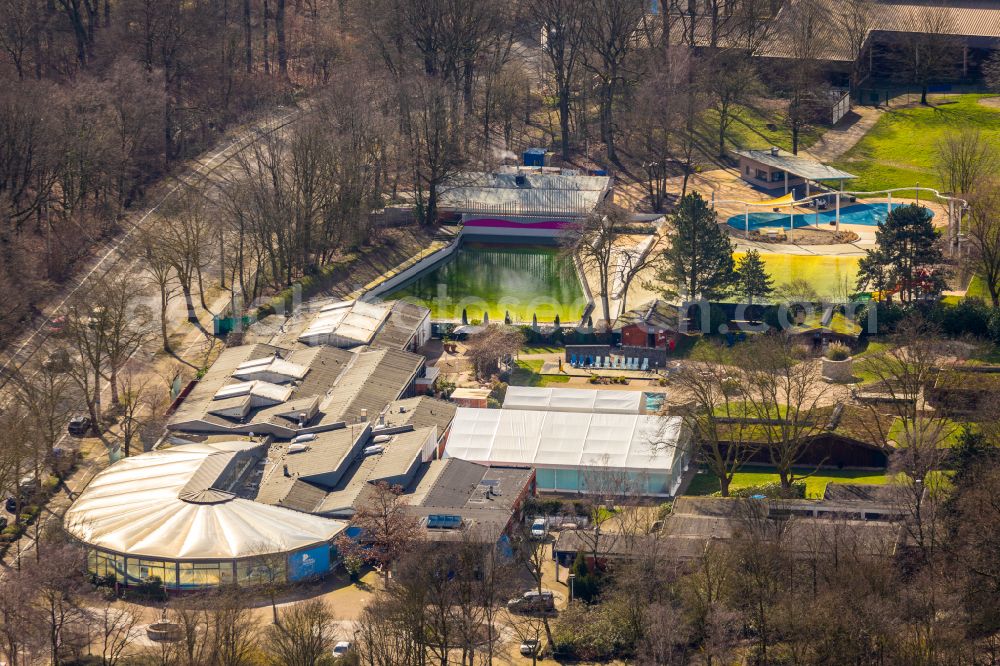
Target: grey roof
<point>657,314</point>
<point>795,164</point>
<point>338,386</point>
<point>976,19</point>
<point>373,380</point>
<point>421,412</point>
<point>536,193</point>
<point>403,323</point>
<point>332,474</point>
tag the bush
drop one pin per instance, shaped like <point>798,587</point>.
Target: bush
<point>798,490</point>
<point>838,351</point>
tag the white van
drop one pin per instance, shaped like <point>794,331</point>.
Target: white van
<point>539,528</point>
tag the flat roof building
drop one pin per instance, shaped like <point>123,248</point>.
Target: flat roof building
<point>777,169</point>
<point>576,451</point>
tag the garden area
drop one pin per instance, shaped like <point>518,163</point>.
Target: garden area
<point>706,483</point>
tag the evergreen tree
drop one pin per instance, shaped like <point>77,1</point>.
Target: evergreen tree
<point>699,259</point>
<point>752,279</point>
<point>465,317</point>
<point>906,258</point>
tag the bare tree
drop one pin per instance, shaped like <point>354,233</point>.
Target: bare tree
<point>918,437</point>
<point>782,391</point>
<point>184,235</point>
<point>562,23</point>
<point>732,81</point>
<point>928,50</point>
<point>592,241</point>
<point>232,630</point>
<point>983,232</point>
<point>721,439</point>
<point>855,20</point>
<point>609,36</point>
<point>303,636</point>
<point>966,159</point>
<point>117,629</point>
<point>388,529</point>
<point>492,349</point>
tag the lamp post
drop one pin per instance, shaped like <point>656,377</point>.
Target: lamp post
<point>571,578</point>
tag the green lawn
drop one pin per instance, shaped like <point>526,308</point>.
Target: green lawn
<point>708,483</point>
<point>900,150</point>
<point>749,130</point>
<point>528,373</point>
<point>946,430</point>
<point>541,349</point>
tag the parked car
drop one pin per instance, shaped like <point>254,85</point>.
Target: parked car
<point>58,361</point>
<point>10,505</point>
<point>79,426</point>
<point>533,601</point>
<point>56,325</point>
<point>539,528</point>
<point>342,649</point>
<point>530,647</point>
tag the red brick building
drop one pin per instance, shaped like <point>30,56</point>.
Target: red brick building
<point>652,325</point>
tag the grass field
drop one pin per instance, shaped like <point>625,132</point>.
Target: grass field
<point>707,483</point>
<point>901,149</point>
<point>528,373</point>
<point>751,128</point>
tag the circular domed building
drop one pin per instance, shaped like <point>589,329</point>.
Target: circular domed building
<point>177,515</point>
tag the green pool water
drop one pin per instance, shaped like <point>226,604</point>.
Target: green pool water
<point>826,275</point>
<point>479,277</point>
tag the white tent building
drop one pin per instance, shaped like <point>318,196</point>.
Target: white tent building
<point>174,514</point>
<point>573,451</point>
<point>573,400</point>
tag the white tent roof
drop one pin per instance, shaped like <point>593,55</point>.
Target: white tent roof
<point>573,400</point>
<point>347,323</point>
<point>162,504</point>
<point>564,439</point>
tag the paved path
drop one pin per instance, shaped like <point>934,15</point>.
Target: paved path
<point>844,135</point>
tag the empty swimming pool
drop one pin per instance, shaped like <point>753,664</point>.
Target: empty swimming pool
<point>866,214</point>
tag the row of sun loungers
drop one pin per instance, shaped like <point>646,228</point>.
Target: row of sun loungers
<point>609,363</point>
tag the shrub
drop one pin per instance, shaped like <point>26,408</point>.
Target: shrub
<point>838,351</point>
<point>798,490</point>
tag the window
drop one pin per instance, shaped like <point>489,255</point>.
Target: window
<point>777,175</point>
<point>203,574</point>
<point>106,564</point>
<point>260,570</point>
<point>140,570</point>
<point>761,174</point>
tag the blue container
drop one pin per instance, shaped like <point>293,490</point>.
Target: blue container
<point>534,157</point>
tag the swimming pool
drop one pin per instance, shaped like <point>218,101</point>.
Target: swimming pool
<point>866,214</point>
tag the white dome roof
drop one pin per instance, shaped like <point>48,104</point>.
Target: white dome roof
<point>162,504</point>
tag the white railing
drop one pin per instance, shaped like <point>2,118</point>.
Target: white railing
<point>956,205</point>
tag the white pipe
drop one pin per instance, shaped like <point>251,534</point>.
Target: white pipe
<point>838,211</point>
<point>888,206</point>
<point>746,219</point>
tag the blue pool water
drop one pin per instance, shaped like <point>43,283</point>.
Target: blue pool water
<point>866,214</point>
<point>654,401</point>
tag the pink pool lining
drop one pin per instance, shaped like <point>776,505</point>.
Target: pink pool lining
<point>510,224</point>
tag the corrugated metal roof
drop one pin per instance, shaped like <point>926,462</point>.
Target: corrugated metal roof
<point>524,193</point>
<point>796,165</point>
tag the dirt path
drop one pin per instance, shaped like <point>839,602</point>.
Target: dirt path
<point>844,135</point>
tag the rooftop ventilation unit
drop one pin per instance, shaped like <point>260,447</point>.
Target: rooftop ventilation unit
<point>308,437</point>
<point>297,448</point>
<point>372,450</point>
